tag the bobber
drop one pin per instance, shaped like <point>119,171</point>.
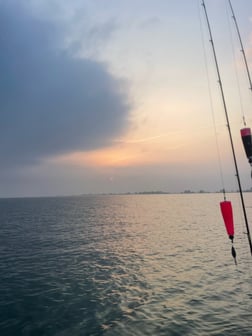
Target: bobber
<point>247,142</point>
<point>227,214</point>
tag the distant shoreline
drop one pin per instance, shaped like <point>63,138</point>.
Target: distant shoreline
<point>185,192</point>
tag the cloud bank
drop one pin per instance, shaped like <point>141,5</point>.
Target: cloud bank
<point>50,101</point>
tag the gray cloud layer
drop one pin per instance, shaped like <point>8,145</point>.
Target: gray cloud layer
<point>51,102</point>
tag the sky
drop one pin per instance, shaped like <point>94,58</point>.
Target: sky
<point>121,96</point>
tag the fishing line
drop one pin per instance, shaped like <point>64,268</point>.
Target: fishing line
<point>235,67</point>
<point>211,105</point>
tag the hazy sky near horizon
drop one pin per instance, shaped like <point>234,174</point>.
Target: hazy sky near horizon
<point>119,96</point>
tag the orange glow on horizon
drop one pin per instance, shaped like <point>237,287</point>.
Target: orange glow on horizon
<point>107,157</point>
<point>153,150</point>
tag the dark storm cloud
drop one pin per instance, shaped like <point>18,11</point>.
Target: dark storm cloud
<point>51,102</point>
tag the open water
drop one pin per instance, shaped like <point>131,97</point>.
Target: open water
<point>123,265</point>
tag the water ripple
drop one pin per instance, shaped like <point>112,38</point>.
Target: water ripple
<point>121,265</point>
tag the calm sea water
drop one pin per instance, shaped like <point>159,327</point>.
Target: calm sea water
<point>123,265</point>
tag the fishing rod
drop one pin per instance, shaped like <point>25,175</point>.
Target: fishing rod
<point>230,134</point>
<point>241,44</point>
<point>246,131</point>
